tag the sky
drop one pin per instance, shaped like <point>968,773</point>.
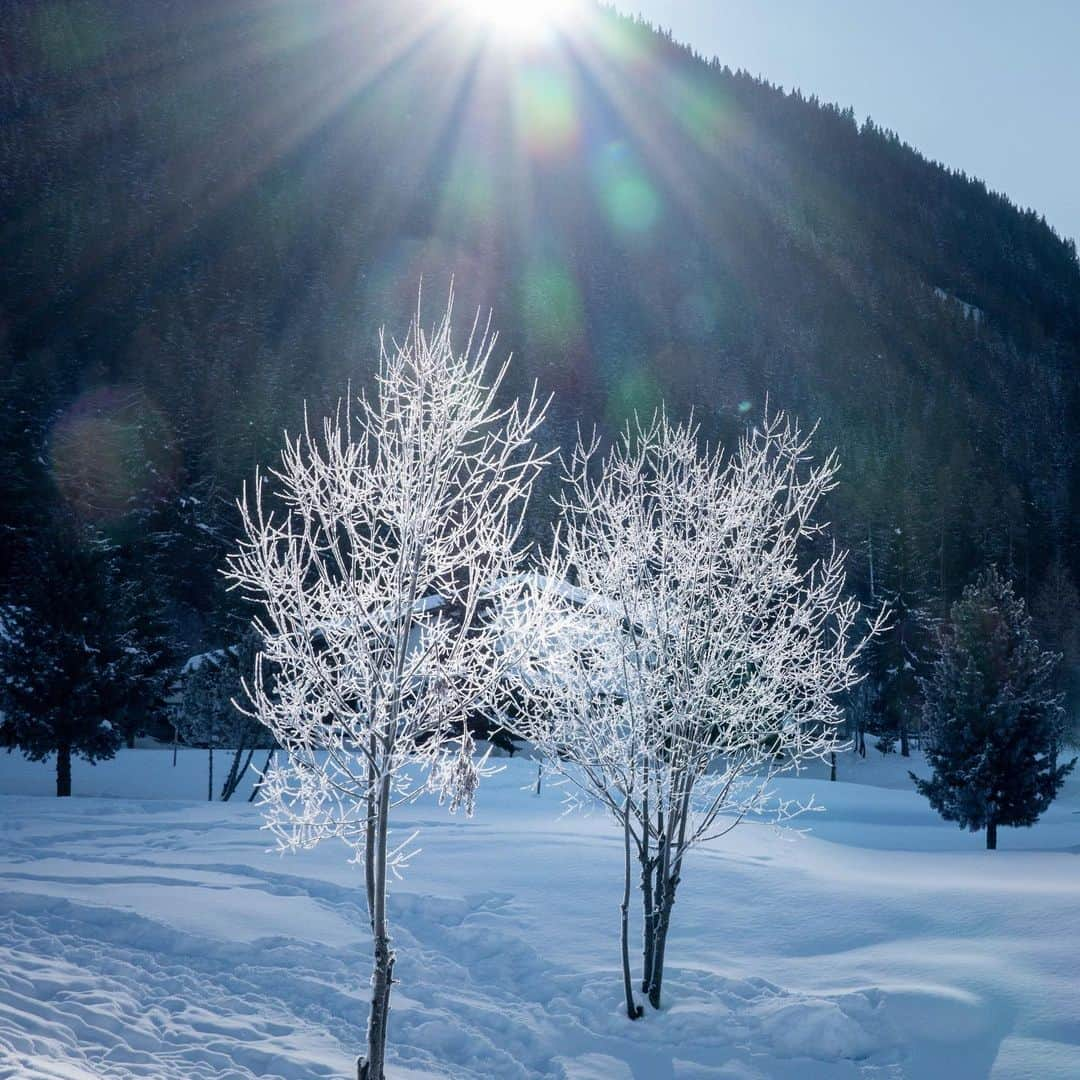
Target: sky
<point>987,86</point>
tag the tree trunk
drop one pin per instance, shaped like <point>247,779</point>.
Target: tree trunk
<point>63,770</point>
<point>663,921</point>
<point>633,1010</point>
<point>648,925</point>
<point>905,746</point>
<point>230,777</point>
<point>991,836</point>
<point>210,777</point>
<point>236,774</point>
<point>369,839</point>
<point>382,979</point>
<point>832,765</point>
<point>663,897</point>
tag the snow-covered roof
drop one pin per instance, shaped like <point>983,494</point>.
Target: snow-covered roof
<point>576,618</point>
<point>214,656</point>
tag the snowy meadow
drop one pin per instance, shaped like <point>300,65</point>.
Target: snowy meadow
<point>148,934</point>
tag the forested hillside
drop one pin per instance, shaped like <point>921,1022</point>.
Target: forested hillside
<point>209,207</point>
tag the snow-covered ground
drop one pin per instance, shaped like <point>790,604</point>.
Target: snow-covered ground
<point>149,935</point>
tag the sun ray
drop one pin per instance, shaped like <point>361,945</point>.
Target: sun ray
<point>522,21</point>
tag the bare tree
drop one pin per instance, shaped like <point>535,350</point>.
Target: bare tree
<point>387,534</point>
<point>702,650</point>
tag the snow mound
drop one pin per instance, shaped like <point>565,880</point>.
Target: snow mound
<point>851,1027</point>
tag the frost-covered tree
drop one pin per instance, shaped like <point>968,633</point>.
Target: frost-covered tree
<point>67,657</point>
<point>993,719</point>
<point>205,713</point>
<point>702,650</point>
<point>364,678</point>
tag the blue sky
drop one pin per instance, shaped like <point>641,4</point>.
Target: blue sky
<point>989,87</point>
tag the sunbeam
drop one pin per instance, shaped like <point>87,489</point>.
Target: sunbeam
<point>522,20</point>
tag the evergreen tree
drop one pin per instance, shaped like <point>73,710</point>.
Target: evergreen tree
<point>993,719</point>
<point>894,657</point>
<point>67,665</point>
<point>141,609</point>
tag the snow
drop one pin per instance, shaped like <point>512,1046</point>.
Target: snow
<point>970,310</point>
<point>146,934</point>
<point>215,657</point>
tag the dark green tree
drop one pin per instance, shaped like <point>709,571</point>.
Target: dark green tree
<point>992,716</point>
<point>143,619</point>
<point>67,662</point>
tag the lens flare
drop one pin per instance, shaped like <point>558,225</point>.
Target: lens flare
<point>629,200</point>
<point>551,304</point>
<point>113,452</point>
<point>546,112</point>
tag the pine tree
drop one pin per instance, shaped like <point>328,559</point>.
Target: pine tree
<point>993,719</point>
<point>66,663</point>
<point>142,611</point>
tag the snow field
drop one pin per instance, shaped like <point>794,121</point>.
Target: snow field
<point>157,938</point>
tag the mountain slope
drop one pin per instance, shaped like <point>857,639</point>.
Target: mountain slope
<point>210,207</point>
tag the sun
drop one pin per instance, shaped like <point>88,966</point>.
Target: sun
<point>522,20</point>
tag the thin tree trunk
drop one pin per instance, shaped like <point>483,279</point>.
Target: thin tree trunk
<point>210,776</point>
<point>651,895</point>
<point>369,839</point>
<point>648,924</point>
<point>633,1010</point>
<point>669,872</point>
<point>63,770</point>
<point>660,945</point>
<point>372,1068</point>
<point>991,836</point>
<point>646,885</point>
<point>905,746</point>
<point>832,765</point>
<point>539,775</point>
<point>660,890</point>
<point>255,787</point>
<point>230,777</point>
<point>236,774</point>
